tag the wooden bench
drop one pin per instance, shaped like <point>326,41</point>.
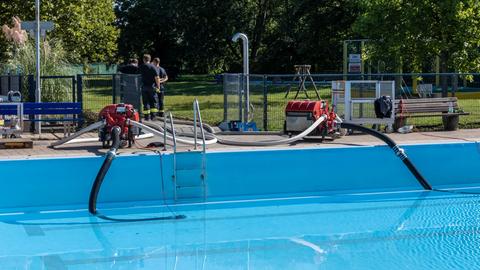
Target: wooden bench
<point>65,112</point>
<point>447,108</point>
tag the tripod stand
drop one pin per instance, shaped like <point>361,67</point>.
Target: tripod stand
<point>302,73</point>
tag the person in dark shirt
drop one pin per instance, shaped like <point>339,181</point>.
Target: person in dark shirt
<point>130,68</point>
<point>150,82</point>
<point>163,79</point>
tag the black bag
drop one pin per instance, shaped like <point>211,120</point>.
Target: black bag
<point>383,107</point>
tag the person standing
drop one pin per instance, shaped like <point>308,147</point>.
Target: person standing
<point>161,90</point>
<point>130,68</point>
<point>150,82</point>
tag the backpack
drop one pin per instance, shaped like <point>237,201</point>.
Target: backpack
<point>383,107</point>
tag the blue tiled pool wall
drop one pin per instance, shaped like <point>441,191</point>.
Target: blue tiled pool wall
<point>57,183</point>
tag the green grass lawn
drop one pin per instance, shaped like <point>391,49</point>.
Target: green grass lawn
<point>180,95</point>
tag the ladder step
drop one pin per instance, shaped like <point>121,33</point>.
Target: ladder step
<point>190,168</point>
<point>189,177</point>
<point>191,152</point>
<point>190,161</point>
<point>193,186</point>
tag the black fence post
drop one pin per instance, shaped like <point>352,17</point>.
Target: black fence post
<point>9,82</point>
<point>73,89</point>
<point>31,88</point>
<point>114,89</point>
<point>31,98</point>
<point>241,79</point>
<point>225,99</point>
<point>20,84</point>
<point>265,104</point>
<point>454,84</point>
<point>80,97</point>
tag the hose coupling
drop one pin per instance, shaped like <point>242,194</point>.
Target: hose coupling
<point>400,152</point>
<point>112,153</point>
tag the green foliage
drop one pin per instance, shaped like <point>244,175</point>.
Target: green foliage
<point>53,60</point>
<point>86,27</point>
<point>412,33</point>
<point>195,36</point>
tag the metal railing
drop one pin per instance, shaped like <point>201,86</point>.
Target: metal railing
<point>196,112</point>
<point>268,94</point>
<point>174,136</point>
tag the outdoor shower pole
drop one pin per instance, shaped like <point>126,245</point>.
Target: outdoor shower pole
<point>38,92</point>
<point>246,79</point>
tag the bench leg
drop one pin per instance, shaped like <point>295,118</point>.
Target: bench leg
<point>450,122</point>
<point>399,122</point>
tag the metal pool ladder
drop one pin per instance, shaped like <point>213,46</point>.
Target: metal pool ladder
<point>189,167</point>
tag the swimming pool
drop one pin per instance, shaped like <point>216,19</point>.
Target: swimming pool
<point>340,208</point>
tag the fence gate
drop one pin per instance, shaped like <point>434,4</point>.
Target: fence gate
<point>127,89</point>
<point>10,83</point>
<point>232,97</point>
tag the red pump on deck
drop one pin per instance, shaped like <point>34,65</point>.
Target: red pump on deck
<point>118,115</point>
<point>301,114</point>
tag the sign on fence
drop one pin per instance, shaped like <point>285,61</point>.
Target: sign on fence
<point>31,27</point>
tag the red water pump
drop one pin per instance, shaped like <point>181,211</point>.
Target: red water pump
<point>301,114</point>
<point>118,115</point>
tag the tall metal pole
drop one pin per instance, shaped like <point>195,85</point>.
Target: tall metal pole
<point>245,71</point>
<point>38,91</point>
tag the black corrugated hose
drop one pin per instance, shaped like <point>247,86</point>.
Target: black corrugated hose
<point>92,202</point>
<point>401,154</point>
<point>398,151</point>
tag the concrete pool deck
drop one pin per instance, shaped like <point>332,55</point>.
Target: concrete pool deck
<point>41,143</point>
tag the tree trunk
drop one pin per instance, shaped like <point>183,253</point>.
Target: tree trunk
<point>259,29</point>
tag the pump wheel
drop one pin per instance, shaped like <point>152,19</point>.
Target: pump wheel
<point>131,138</point>
<point>324,131</point>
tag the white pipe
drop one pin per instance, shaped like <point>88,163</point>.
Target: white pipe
<point>161,134</point>
<point>245,72</point>
<point>212,136</point>
<point>85,140</point>
<point>283,141</point>
<point>93,126</point>
<point>207,127</point>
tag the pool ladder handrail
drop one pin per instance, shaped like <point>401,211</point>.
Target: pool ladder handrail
<point>174,139</point>
<point>196,112</point>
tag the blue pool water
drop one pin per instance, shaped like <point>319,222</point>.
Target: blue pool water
<point>287,212</point>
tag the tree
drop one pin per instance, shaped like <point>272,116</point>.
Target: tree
<point>417,31</point>
<point>196,35</point>
<point>309,32</point>
<point>85,27</point>
<point>148,26</point>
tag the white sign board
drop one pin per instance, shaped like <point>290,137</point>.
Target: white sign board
<point>31,27</point>
<point>354,58</point>
<point>354,67</point>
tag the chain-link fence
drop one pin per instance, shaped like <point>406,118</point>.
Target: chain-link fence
<point>97,91</point>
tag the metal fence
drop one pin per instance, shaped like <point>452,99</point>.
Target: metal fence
<point>10,83</point>
<point>269,94</point>
<point>94,91</point>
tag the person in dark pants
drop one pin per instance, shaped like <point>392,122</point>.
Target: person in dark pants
<point>150,82</point>
<point>163,79</point>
